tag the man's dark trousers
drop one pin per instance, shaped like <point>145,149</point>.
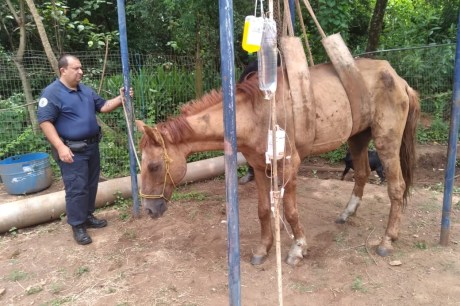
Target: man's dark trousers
<point>81,179</point>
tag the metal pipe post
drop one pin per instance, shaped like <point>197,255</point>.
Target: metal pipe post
<point>230,150</point>
<point>129,109</point>
<point>452,148</point>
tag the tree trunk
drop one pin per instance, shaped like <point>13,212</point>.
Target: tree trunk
<point>28,93</point>
<point>44,38</point>
<point>18,60</point>
<point>376,24</point>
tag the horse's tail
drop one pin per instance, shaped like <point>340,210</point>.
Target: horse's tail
<point>407,152</point>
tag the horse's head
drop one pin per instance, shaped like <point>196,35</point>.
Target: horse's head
<point>163,166</point>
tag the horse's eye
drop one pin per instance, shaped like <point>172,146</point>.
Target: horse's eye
<point>153,167</point>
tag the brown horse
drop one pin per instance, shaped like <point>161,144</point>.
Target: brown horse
<point>389,119</point>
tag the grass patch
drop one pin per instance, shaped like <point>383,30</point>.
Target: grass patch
<point>301,287</point>
<point>56,288</point>
<point>33,290</point>
<point>15,276</point>
<point>358,285</point>
<point>57,302</point>
<point>130,234</point>
<point>337,155</point>
<point>421,245</point>
<point>340,239</point>
<point>431,206</point>
<point>457,206</point>
<point>123,206</point>
<point>81,270</point>
<point>189,196</point>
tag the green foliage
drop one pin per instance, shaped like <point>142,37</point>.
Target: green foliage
<point>159,82</point>
<point>301,287</point>
<point>16,275</point>
<point>13,231</point>
<point>358,285</point>
<point>416,65</point>
<point>81,270</point>
<point>189,196</point>
<point>203,155</point>
<point>33,289</point>
<point>421,245</point>
<point>336,155</point>
<point>120,202</point>
<point>17,137</point>
<point>242,170</point>
<point>416,22</point>
<point>438,132</point>
<point>457,206</point>
<point>77,25</point>
<point>123,206</point>
<point>334,16</point>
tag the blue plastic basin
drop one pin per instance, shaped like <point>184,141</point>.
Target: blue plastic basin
<point>27,173</point>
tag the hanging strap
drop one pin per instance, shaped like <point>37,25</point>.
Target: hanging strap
<point>304,32</point>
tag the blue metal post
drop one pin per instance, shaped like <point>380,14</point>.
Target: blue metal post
<point>230,150</point>
<point>292,11</point>
<point>452,148</point>
<point>129,109</point>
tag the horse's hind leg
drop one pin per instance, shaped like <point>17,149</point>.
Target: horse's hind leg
<point>358,148</point>
<point>388,148</point>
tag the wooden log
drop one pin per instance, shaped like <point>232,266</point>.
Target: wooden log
<point>303,106</point>
<point>350,76</point>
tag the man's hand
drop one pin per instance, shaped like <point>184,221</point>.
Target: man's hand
<point>122,93</point>
<point>65,154</point>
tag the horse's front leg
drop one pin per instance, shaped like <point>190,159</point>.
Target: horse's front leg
<point>266,235</point>
<point>299,248</point>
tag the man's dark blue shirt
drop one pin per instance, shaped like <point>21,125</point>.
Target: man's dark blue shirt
<point>73,112</point>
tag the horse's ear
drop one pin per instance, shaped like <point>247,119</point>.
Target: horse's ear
<point>140,126</point>
<point>153,134</point>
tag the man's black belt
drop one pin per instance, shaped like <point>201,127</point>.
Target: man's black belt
<point>89,140</point>
<point>93,139</point>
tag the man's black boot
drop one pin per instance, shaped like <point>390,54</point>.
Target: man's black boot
<point>80,235</point>
<point>93,222</point>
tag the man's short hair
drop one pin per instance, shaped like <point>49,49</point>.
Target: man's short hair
<point>63,60</point>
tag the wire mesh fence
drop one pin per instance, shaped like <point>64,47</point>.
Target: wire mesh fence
<point>429,70</point>
<point>161,84</point>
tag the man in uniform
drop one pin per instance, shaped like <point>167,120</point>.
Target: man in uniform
<point>67,115</point>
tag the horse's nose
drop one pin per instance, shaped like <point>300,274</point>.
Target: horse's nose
<point>156,209</point>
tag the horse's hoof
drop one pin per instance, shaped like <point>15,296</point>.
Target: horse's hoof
<point>384,251</point>
<point>340,220</point>
<point>258,259</point>
<point>293,260</point>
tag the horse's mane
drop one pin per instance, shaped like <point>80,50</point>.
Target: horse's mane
<point>178,127</point>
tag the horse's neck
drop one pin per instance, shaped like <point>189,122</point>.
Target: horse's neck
<point>208,127</point>
<point>207,130</point>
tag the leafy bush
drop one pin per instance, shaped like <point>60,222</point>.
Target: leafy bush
<point>336,155</point>
<point>438,132</point>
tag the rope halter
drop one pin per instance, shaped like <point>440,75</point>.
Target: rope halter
<point>167,161</point>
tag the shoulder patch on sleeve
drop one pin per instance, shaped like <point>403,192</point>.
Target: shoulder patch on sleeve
<point>43,102</point>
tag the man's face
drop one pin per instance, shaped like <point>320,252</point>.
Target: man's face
<point>73,74</point>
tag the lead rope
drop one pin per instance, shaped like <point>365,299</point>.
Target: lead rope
<point>130,135</point>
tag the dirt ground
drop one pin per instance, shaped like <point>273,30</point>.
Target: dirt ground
<point>181,259</point>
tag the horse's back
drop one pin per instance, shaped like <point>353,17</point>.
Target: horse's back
<point>333,112</point>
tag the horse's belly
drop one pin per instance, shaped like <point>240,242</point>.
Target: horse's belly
<point>333,115</point>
